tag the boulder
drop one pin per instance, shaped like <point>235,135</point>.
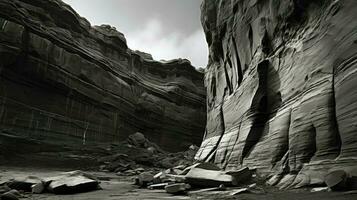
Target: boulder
<point>144,179</point>
<point>38,188</point>
<point>11,195</point>
<point>336,180</point>
<point>137,139</point>
<point>24,184</point>
<point>241,175</point>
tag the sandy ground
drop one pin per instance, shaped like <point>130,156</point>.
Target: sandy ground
<point>117,188</point>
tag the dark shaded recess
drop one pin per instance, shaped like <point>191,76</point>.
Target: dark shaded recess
<point>239,65</point>
<point>229,62</point>
<point>300,13</point>
<point>228,81</point>
<point>213,151</point>
<point>2,23</point>
<point>250,38</point>
<point>213,91</point>
<point>235,7</point>
<point>266,44</point>
<point>338,141</point>
<point>264,105</point>
<point>311,145</point>
<point>213,87</point>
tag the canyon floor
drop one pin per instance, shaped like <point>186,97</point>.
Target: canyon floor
<point>121,187</point>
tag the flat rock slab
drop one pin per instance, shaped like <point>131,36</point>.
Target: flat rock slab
<point>208,178</point>
<point>71,185</point>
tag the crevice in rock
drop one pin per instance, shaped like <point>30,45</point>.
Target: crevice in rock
<point>239,65</point>
<point>338,136</point>
<point>264,104</point>
<point>266,45</point>
<point>210,156</point>
<point>311,149</point>
<point>259,109</point>
<point>228,81</point>
<point>250,39</point>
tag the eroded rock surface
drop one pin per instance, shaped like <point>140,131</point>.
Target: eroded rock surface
<point>63,80</point>
<point>281,84</point>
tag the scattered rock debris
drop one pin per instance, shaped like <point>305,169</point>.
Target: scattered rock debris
<point>154,169</point>
<point>65,183</point>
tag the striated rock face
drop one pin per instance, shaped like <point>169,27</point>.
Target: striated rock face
<point>62,80</point>
<point>281,87</point>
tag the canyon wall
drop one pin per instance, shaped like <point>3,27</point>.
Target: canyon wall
<point>64,81</point>
<point>281,87</point>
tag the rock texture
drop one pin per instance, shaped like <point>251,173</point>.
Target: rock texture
<point>281,87</point>
<point>65,81</point>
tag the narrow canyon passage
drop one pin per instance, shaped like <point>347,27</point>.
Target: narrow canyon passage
<point>272,114</point>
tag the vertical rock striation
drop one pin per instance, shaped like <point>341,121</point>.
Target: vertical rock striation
<point>62,80</point>
<point>281,87</point>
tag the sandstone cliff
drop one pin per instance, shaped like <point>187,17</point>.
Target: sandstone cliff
<point>65,81</point>
<point>281,87</point>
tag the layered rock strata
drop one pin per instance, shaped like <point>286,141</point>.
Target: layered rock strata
<point>281,87</point>
<point>65,81</point>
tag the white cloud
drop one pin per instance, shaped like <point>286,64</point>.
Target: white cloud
<point>151,39</point>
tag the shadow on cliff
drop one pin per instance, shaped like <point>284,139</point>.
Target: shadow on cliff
<point>265,103</point>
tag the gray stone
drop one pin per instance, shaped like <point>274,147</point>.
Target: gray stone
<point>72,182</point>
<point>241,175</point>
<point>177,188</point>
<point>336,180</point>
<point>208,178</point>
<point>11,195</point>
<point>145,178</point>
<point>38,188</point>
<point>24,184</point>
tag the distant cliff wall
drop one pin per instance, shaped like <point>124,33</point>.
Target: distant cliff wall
<point>62,80</point>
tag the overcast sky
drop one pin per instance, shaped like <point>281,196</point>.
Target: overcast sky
<point>167,29</point>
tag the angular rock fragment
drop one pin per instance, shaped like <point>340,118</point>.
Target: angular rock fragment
<point>24,184</point>
<point>201,165</point>
<point>144,179</point>
<point>240,176</point>
<point>72,182</point>
<point>4,188</point>
<point>208,178</point>
<point>239,191</point>
<point>336,180</point>
<point>158,186</point>
<point>177,188</point>
<point>38,188</point>
<point>320,189</point>
<point>11,195</point>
